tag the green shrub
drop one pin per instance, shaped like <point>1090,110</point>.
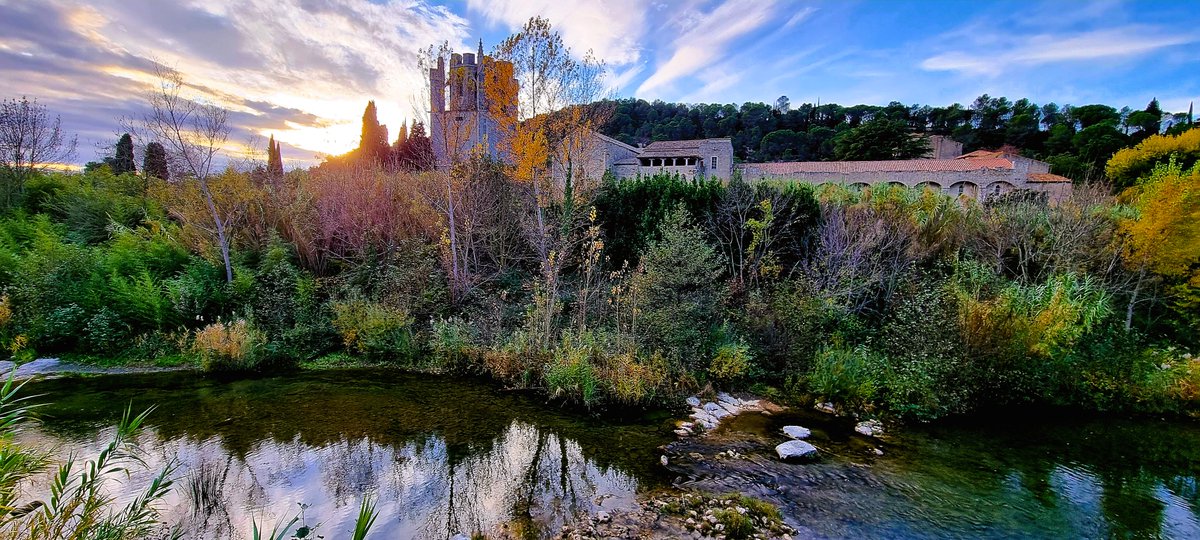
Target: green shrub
<point>106,332</point>
<point>731,363</point>
<point>570,375</point>
<point>451,344</point>
<point>375,329</point>
<point>851,376</point>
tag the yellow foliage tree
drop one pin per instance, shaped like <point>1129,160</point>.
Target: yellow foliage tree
<point>1129,164</point>
<point>1162,232</point>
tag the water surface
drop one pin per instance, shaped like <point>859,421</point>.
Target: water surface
<point>440,456</point>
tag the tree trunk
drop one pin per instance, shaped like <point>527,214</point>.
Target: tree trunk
<point>220,224</point>
<point>1133,300</point>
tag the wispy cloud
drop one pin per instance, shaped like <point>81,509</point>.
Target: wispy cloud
<point>300,69</point>
<point>612,29</point>
<point>996,54</point>
<point>707,40</point>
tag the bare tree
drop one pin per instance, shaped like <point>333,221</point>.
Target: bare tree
<point>29,141</point>
<point>193,134</point>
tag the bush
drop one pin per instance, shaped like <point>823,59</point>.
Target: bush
<point>570,374</point>
<point>234,346</point>
<point>637,382</point>
<point>731,363</point>
<point>851,376</point>
<point>375,329</point>
<point>452,344</point>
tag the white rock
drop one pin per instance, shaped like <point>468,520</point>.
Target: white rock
<point>877,451</point>
<point>712,407</point>
<point>826,408</point>
<point>720,413</point>
<point>683,432</point>
<point>731,409</point>
<point>728,399</point>
<point>870,428</point>
<point>693,401</point>
<point>603,517</point>
<point>663,460</point>
<point>797,432</point>
<point>796,450</point>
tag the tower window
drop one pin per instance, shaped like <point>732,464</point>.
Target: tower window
<point>714,163</point>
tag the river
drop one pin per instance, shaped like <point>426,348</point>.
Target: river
<point>444,456</point>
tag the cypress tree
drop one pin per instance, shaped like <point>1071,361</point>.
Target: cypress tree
<point>274,159</point>
<point>154,163</point>
<point>123,161</point>
<point>419,149</point>
<point>373,144</point>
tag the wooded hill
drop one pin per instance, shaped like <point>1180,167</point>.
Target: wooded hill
<point>1075,140</point>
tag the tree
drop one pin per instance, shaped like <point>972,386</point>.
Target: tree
<point>372,145</point>
<point>154,162</point>
<point>274,160</point>
<point>880,139</point>
<point>1162,235</point>
<point>1093,115</point>
<point>29,141</point>
<point>782,105</point>
<point>123,162</point>
<point>676,287</point>
<point>193,134</point>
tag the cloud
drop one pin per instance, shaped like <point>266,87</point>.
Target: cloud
<point>1000,54</point>
<point>705,39</point>
<point>612,29</point>
<point>301,69</point>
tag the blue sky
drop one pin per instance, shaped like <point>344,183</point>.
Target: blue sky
<point>304,69</point>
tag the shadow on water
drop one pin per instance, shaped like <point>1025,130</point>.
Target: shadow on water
<point>442,456</point>
<point>1023,475</point>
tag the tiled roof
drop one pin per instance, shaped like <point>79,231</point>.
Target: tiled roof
<point>1047,178</point>
<point>674,148</point>
<point>898,165</point>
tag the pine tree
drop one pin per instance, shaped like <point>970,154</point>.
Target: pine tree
<point>123,161</point>
<point>154,163</point>
<point>401,138</point>
<point>274,160</point>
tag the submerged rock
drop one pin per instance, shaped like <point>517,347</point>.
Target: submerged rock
<point>796,451</point>
<point>797,432</point>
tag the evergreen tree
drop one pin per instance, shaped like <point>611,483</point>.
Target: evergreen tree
<point>418,149</point>
<point>373,144</point>
<point>122,162</point>
<point>154,163</point>
<point>274,159</point>
<point>401,138</point>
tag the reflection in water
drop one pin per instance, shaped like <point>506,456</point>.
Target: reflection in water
<point>522,472</point>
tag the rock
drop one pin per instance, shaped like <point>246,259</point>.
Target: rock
<point>693,401</point>
<point>870,428</point>
<point>796,451</point>
<point>797,432</point>
<point>720,413</point>
<point>603,517</point>
<point>733,410</point>
<point>664,460</point>
<point>686,425</point>
<point>729,400</point>
<point>712,407</point>
<point>877,451</point>
<point>683,432</point>
<point>826,408</point>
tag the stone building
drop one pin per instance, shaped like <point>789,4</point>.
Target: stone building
<point>707,158</point>
<point>978,174</point>
<point>461,118</point>
<point>941,147</point>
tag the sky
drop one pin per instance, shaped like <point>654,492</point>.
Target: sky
<point>303,70</point>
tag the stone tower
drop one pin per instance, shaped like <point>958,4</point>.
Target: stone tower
<point>462,118</point>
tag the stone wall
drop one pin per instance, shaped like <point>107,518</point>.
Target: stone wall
<point>975,183</point>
